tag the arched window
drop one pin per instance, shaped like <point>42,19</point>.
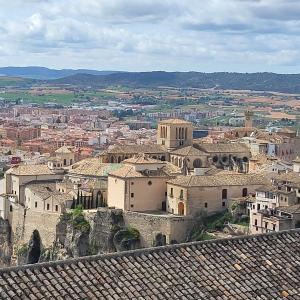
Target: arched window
<point>224,194</point>
<point>119,159</point>
<point>197,163</point>
<point>65,162</point>
<point>245,192</point>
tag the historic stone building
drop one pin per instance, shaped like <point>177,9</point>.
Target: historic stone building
<point>174,133</point>
<point>208,194</point>
<point>175,144</point>
<point>140,185</point>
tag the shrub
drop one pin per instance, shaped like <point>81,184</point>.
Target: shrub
<point>22,250</point>
<point>78,220</point>
<point>131,233</point>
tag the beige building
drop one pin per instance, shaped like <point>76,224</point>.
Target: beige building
<point>17,177</point>
<point>119,153</point>
<point>140,185</point>
<point>88,177</point>
<point>65,155</point>
<point>189,157</point>
<point>43,197</point>
<point>187,195</point>
<point>174,133</point>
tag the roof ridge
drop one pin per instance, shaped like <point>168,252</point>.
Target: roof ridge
<point>143,251</point>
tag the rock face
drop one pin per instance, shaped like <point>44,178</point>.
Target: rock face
<point>80,233</point>
<point>103,232</point>
<point>72,237</point>
<point>105,223</point>
<point>5,243</point>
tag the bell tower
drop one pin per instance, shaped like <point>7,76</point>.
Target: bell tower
<point>174,133</point>
<point>248,118</point>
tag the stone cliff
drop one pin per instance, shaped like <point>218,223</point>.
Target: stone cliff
<point>80,233</point>
<point>5,243</point>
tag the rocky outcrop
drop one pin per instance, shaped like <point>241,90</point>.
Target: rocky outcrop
<point>80,233</point>
<point>105,223</point>
<point>127,239</point>
<point>83,233</point>
<point>5,243</point>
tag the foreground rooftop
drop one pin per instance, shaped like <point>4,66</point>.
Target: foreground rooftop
<point>263,266</point>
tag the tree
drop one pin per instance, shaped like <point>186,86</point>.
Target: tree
<point>97,200</point>
<point>73,203</point>
<point>84,204</point>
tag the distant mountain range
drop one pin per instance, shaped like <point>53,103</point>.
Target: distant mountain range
<point>45,73</point>
<point>286,83</point>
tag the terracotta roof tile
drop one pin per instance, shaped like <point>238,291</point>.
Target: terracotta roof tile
<point>253,267</point>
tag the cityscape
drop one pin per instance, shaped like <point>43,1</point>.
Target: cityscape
<point>149,181</point>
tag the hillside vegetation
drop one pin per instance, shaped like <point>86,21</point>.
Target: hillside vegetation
<point>286,83</point>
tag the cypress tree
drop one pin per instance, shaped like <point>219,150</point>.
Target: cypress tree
<point>97,200</point>
<point>84,205</point>
<point>81,198</point>
<point>73,203</point>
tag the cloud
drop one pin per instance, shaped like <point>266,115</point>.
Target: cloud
<point>206,35</point>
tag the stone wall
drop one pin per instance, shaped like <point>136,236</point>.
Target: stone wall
<point>150,226</point>
<point>24,223</point>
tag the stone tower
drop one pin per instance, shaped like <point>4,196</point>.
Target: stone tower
<point>174,133</point>
<point>248,118</point>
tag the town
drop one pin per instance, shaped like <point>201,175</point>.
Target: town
<point>133,185</point>
<point>149,150</point>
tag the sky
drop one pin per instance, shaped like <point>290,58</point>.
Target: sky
<point>148,35</point>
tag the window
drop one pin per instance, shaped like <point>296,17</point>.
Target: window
<point>274,227</point>
<point>224,194</point>
<point>171,192</point>
<point>56,207</point>
<point>205,204</point>
<point>266,225</point>
<point>181,194</point>
<point>132,195</point>
<point>10,208</point>
<point>255,222</point>
<point>48,206</point>
<point>256,228</point>
<point>150,182</point>
<point>131,205</point>
<point>35,204</point>
<point>245,192</point>
<point>197,163</point>
<point>258,206</point>
<point>223,204</point>
<point>132,183</point>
